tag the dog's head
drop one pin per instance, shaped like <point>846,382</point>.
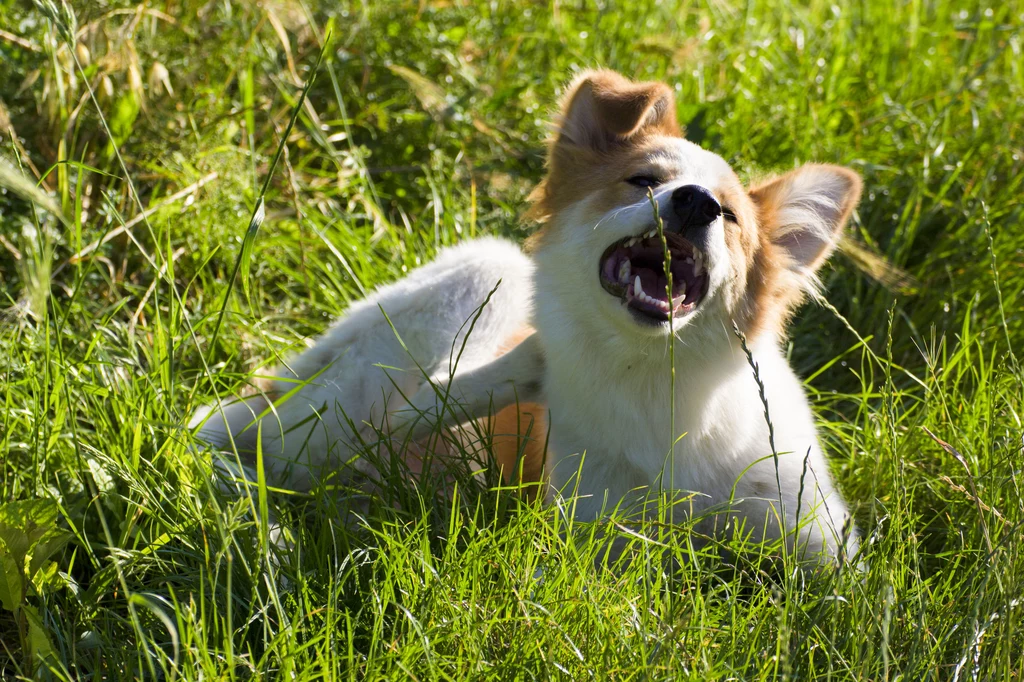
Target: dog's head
<point>736,253</point>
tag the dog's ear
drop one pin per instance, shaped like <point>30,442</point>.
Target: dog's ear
<point>803,212</point>
<point>602,108</point>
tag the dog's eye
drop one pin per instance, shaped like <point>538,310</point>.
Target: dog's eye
<point>643,181</point>
<point>729,215</point>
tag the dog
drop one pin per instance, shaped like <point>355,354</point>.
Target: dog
<point>581,334</point>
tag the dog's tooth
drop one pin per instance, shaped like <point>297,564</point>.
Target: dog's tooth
<point>650,234</point>
<point>682,289</point>
<point>689,260</point>
<point>624,273</point>
<point>637,288</point>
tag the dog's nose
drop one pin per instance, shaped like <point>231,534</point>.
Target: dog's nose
<point>695,206</point>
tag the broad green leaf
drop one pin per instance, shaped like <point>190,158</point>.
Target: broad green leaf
<point>39,644</point>
<point>162,609</point>
<point>49,545</point>
<point>47,579</point>
<point>23,524</point>
<point>10,581</point>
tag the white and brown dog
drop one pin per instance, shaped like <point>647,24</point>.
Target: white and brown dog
<point>579,332</point>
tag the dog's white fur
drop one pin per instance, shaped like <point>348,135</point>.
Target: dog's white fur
<point>359,370</point>
<point>609,389</point>
<point>604,379</point>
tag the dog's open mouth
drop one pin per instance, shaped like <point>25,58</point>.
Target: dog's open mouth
<point>633,269</point>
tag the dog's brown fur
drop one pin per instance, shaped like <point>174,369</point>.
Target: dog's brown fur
<point>520,434</point>
<point>774,288</point>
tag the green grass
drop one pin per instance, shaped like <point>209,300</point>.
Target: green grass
<point>424,127</point>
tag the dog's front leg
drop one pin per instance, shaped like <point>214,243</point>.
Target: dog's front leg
<point>465,396</point>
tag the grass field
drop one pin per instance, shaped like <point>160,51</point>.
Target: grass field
<point>157,129</point>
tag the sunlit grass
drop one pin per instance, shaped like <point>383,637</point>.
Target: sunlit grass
<point>425,126</point>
